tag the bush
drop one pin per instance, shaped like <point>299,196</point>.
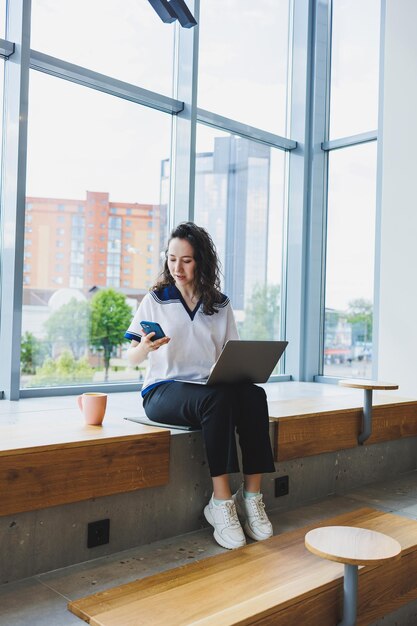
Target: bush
<point>65,370</point>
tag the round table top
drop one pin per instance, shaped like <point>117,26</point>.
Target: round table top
<point>356,546</point>
<point>363,383</point>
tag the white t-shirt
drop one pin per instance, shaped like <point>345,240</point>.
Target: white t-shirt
<point>196,339</point>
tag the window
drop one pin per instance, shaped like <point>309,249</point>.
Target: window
<point>351,202</point>
<point>241,202</point>
<point>350,262</point>
<point>110,131</point>
<point>243,61</point>
<point>355,67</point>
<point>132,27</point>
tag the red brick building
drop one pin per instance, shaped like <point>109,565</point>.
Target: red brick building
<point>92,243</point>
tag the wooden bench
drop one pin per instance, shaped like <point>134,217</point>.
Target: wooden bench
<point>59,460</point>
<point>315,425</point>
<point>277,582</point>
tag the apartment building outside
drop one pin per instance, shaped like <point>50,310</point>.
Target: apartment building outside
<point>91,243</point>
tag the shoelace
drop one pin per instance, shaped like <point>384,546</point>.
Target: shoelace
<point>230,514</point>
<point>258,507</point>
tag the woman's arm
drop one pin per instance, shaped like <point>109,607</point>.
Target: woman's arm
<point>138,351</point>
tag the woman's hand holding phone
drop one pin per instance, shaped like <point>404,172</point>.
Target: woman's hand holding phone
<point>154,337</point>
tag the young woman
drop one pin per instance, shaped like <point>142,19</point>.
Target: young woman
<point>198,320</point>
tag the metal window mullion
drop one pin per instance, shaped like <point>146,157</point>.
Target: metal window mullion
<point>88,78</point>
<point>6,48</point>
<point>304,295</point>
<point>317,207</point>
<point>15,115</point>
<point>183,153</point>
<point>353,140</point>
<point>294,261</point>
<point>243,130</point>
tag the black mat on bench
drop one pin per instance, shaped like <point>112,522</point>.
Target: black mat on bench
<point>148,422</point>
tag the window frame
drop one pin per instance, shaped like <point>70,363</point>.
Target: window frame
<point>184,114</point>
<point>306,145</point>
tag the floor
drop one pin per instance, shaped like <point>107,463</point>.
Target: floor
<point>41,600</point>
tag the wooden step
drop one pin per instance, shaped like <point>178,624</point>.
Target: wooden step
<point>277,582</point>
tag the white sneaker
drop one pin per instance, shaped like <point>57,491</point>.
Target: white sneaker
<point>252,512</point>
<point>227,529</point>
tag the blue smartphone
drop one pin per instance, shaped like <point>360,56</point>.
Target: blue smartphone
<point>153,327</point>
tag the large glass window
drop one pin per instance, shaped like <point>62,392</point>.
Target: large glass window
<point>354,67</point>
<point>126,40</point>
<point>239,198</point>
<point>351,205</point>
<point>350,262</point>
<point>243,60</point>
<point>93,175</point>
<point>2,18</point>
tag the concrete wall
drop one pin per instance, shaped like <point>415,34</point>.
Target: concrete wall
<point>397,166</point>
<point>39,541</point>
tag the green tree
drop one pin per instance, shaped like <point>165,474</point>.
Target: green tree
<point>110,317</point>
<point>360,315</point>
<point>32,353</point>
<point>70,325</point>
<point>262,316</point>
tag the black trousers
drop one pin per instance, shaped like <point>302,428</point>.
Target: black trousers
<point>219,410</point>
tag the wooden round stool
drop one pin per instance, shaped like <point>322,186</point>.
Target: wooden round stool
<point>368,386</point>
<point>352,547</point>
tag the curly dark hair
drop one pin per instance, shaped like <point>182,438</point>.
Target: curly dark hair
<point>207,272</point>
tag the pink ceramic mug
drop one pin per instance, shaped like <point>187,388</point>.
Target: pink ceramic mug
<point>93,407</point>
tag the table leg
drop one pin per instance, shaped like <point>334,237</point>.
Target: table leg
<point>350,595</point>
<point>367,417</point>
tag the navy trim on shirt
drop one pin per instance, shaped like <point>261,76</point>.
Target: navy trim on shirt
<point>133,336</point>
<point>160,382</point>
<point>171,294</point>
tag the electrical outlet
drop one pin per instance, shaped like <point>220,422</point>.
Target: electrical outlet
<point>282,486</point>
<point>98,533</point>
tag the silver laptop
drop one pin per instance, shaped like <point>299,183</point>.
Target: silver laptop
<point>244,361</point>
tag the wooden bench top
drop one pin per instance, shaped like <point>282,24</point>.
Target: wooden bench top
<point>299,408</point>
<point>355,546</point>
<point>67,429</point>
<point>277,581</point>
<point>364,383</point>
